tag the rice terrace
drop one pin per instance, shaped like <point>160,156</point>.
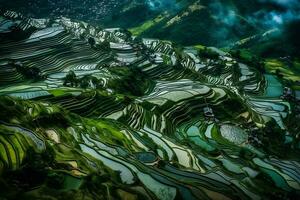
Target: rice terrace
<point>162,100</point>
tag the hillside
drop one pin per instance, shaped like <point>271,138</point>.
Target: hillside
<point>219,23</point>
<point>94,113</point>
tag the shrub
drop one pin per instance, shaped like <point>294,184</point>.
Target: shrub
<point>208,53</point>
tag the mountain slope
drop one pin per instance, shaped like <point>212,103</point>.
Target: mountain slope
<point>95,113</point>
<point>188,22</point>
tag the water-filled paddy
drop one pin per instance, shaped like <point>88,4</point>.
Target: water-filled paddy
<point>274,87</point>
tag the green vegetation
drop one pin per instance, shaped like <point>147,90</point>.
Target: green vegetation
<point>288,71</point>
<point>89,113</point>
<point>146,25</point>
<point>208,53</point>
<point>132,81</point>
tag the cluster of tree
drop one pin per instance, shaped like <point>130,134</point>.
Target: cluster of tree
<point>32,73</point>
<point>71,80</point>
<point>132,81</point>
<point>16,33</point>
<point>103,46</point>
<point>286,43</point>
<point>237,74</point>
<point>208,53</point>
<point>278,73</point>
<point>291,33</point>
<point>127,34</point>
<point>273,140</point>
<point>32,173</point>
<point>9,108</point>
<point>219,67</point>
<point>253,61</point>
<point>46,120</point>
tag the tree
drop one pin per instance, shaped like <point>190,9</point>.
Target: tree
<point>128,34</point>
<point>104,46</point>
<point>220,66</point>
<point>33,73</point>
<point>91,41</point>
<point>258,64</point>
<point>208,53</point>
<point>70,79</point>
<point>84,82</point>
<point>273,139</point>
<point>278,73</point>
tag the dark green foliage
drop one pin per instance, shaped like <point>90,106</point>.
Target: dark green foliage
<point>208,53</point>
<point>276,145</point>
<point>229,108</point>
<point>87,81</point>
<point>9,109</point>
<point>32,174</point>
<point>90,81</point>
<point>279,44</point>
<point>47,120</point>
<point>132,81</point>
<point>55,180</point>
<point>16,34</point>
<point>32,73</point>
<point>198,34</point>
<point>246,154</point>
<point>134,17</point>
<point>111,113</point>
<point>103,46</point>
<point>91,41</point>
<point>250,59</point>
<point>292,33</point>
<point>278,73</point>
<point>71,79</point>
<point>292,122</point>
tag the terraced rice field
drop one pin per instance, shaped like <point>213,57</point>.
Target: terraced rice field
<point>145,135</point>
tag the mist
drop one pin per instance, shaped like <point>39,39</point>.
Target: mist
<point>164,5</point>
